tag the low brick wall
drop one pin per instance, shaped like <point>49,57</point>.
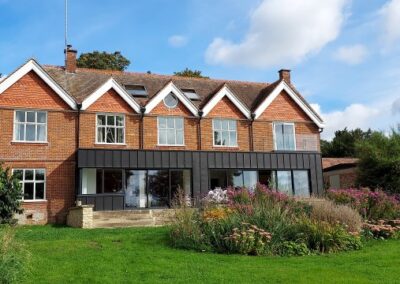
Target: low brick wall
<point>80,217</point>
<point>35,213</point>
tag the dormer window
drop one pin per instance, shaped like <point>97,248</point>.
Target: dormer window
<point>191,94</point>
<point>138,91</point>
<point>171,101</point>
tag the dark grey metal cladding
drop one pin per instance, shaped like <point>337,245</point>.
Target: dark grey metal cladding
<point>200,162</point>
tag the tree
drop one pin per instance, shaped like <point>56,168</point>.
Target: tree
<point>103,60</point>
<point>379,161</point>
<point>344,143</point>
<point>10,196</point>
<point>190,73</point>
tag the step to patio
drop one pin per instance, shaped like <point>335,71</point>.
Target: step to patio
<point>132,218</point>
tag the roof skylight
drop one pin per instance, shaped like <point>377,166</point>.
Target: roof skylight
<point>136,90</point>
<point>191,94</point>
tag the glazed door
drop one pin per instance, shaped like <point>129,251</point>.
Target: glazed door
<point>136,193</point>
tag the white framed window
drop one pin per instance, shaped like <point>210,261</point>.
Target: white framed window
<point>225,132</point>
<point>170,131</point>
<point>171,101</point>
<point>30,126</point>
<point>284,136</point>
<point>110,129</point>
<point>33,183</point>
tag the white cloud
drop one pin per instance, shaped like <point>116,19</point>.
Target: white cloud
<point>390,14</point>
<point>282,32</point>
<point>352,55</point>
<point>177,41</point>
<point>376,115</point>
<point>316,108</point>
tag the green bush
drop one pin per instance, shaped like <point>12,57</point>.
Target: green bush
<point>320,236</point>
<point>292,248</point>
<point>379,161</point>
<point>10,196</point>
<point>14,258</point>
<point>186,232</point>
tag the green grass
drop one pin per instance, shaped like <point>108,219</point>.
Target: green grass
<point>142,255</point>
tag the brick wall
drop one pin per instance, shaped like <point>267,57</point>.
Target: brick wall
<point>57,156</point>
<point>150,127</point>
<point>347,177</point>
<point>225,109</point>
<point>282,109</point>
<point>32,92</point>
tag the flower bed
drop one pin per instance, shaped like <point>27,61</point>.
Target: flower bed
<point>372,205</point>
<point>262,222</point>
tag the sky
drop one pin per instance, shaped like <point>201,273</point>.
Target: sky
<point>344,55</point>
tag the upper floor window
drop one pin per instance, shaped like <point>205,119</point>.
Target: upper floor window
<point>284,136</point>
<point>33,183</point>
<point>225,132</point>
<point>170,131</point>
<point>30,126</point>
<point>171,101</point>
<point>110,129</point>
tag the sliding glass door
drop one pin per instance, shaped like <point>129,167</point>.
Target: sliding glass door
<point>155,188</point>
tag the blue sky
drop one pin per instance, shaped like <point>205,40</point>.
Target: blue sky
<point>344,55</point>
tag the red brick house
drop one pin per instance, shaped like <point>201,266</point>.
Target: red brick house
<point>122,140</point>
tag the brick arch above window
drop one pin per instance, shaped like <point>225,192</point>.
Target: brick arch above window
<point>33,66</point>
<point>171,88</point>
<point>223,93</point>
<point>110,84</point>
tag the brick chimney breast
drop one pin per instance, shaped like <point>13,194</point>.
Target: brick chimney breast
<point>284,74</point>
<point>70,59</point>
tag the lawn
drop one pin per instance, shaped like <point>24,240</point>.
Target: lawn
<point>66,255</point>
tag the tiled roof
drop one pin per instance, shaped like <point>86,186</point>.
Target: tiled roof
<point>333,162</point>
<point>85,81</point>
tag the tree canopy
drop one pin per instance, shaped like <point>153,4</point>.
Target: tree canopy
<point>344,143</point>
<point>190,73</point>
<point>379,161</point>
<point>103,60</point>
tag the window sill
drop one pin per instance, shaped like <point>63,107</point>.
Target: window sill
<point>29,143</point>
<point>171,145</point>
<point>35,201</point>
<point>111,144</point>
<point>225,146</point>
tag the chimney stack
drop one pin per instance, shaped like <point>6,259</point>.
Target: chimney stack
<point>70,59</point>
<point>284,74</point>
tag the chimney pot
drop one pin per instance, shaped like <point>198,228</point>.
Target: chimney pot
<point>70,59</point>
<point>284,74</point>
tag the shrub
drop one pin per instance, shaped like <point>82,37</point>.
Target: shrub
<point>264,222</point>
<point>186,232</point>
<point>328,211</point>
<point>14,259</point>
<point>10,196</point>
<point>372,205</point>
<point>292,248</point>
<point>320,236</point>
<point>382,229</point>
<point>248,239</point>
